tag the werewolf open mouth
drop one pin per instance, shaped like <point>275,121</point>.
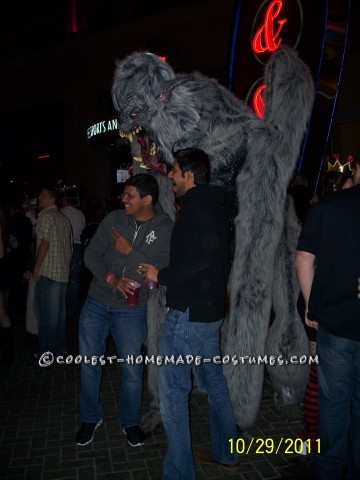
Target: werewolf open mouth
<point>150,158</point>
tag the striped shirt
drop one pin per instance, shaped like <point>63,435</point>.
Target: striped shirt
<point>55,228</point>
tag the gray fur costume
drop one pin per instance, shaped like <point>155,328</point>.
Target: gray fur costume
<point>254,158</point>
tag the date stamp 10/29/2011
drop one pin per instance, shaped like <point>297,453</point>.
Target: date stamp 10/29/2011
<point>268,446</point>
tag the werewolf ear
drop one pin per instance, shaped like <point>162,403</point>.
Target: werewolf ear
<point>164,91</point>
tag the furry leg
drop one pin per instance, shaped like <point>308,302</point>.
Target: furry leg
<point>287,336</point>
<point>156,312</point>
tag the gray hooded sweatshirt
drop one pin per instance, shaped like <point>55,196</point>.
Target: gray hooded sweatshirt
<point>151,244</point>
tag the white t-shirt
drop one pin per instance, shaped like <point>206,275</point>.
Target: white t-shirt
<point>77,221</point>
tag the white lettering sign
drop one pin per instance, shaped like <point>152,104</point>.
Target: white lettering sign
<point>102,127</point>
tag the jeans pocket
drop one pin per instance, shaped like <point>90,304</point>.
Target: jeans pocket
<point>194,335</point>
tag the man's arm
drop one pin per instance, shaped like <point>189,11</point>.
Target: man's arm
<point>95,251</point>
<point>305,270</point>
<point>41,254</point>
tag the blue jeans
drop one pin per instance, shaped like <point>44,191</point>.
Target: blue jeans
<point>181,337</point>
<point>339,407</point>
<point>50,311</point>
<point>128,329</point>
<point>72,292</point>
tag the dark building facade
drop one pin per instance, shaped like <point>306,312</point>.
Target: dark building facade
<point>59,64</point>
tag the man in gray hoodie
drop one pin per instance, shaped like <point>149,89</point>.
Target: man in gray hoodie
<point>116,305</point>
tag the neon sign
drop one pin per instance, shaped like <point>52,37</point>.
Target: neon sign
<point>267,39</point>
<point>258,102</point>
<point>102,127</point>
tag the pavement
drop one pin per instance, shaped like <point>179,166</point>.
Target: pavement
<point>39,418</point>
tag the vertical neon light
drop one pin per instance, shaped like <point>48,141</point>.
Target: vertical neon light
<point>233,47</point>
<point>74,26</point>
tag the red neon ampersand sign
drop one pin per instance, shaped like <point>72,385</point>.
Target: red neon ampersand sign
<point>265,38</point>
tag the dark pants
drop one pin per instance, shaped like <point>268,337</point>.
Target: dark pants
<point>339,407</point>
<point>72,292</point>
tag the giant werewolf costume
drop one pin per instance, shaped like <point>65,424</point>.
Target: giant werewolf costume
<point>254,158</point>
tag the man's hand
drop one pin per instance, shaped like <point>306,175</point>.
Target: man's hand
<point>36,274</point>
<point>40,255</point>
<point>27,275</point>
<point>310,323</point>
<point>149,272</point>
<point>122,244</point>
<point>124,285</point>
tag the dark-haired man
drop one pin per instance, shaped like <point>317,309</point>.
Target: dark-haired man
<point>51,273</point>
<point>123,239</point>
<point>196,281</point>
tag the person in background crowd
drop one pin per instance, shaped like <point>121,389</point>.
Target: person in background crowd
<point>19,233</point>
<point>51,273</point>
<point>78,224</point>
<point>356,174</point>
<point>6,336</point>
<point>29,212</point>
<point>330,237</point>
<point>337,177</point>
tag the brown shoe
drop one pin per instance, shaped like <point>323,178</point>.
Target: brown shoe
<point>205,457</point>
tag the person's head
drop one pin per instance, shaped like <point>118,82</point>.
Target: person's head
<point>47,197</point>
<point>61,201</point>
<point>346,182</point>
<point>356,174</point>
<point>140,195</point>
<point>191,167</point>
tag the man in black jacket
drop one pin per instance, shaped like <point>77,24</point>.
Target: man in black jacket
<point>196,281</point>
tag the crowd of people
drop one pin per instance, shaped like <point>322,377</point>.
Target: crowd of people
<point>21,220</point>
<point>134,248</point>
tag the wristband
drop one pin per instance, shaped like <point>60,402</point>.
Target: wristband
<point>109,277</point>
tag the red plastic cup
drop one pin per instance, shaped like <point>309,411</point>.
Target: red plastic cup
<point>133,300</point>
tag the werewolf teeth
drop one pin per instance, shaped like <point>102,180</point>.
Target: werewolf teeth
<point>129,135</point>
<point>152,150</point>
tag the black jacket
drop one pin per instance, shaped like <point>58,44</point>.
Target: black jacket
<point>199,266</point>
